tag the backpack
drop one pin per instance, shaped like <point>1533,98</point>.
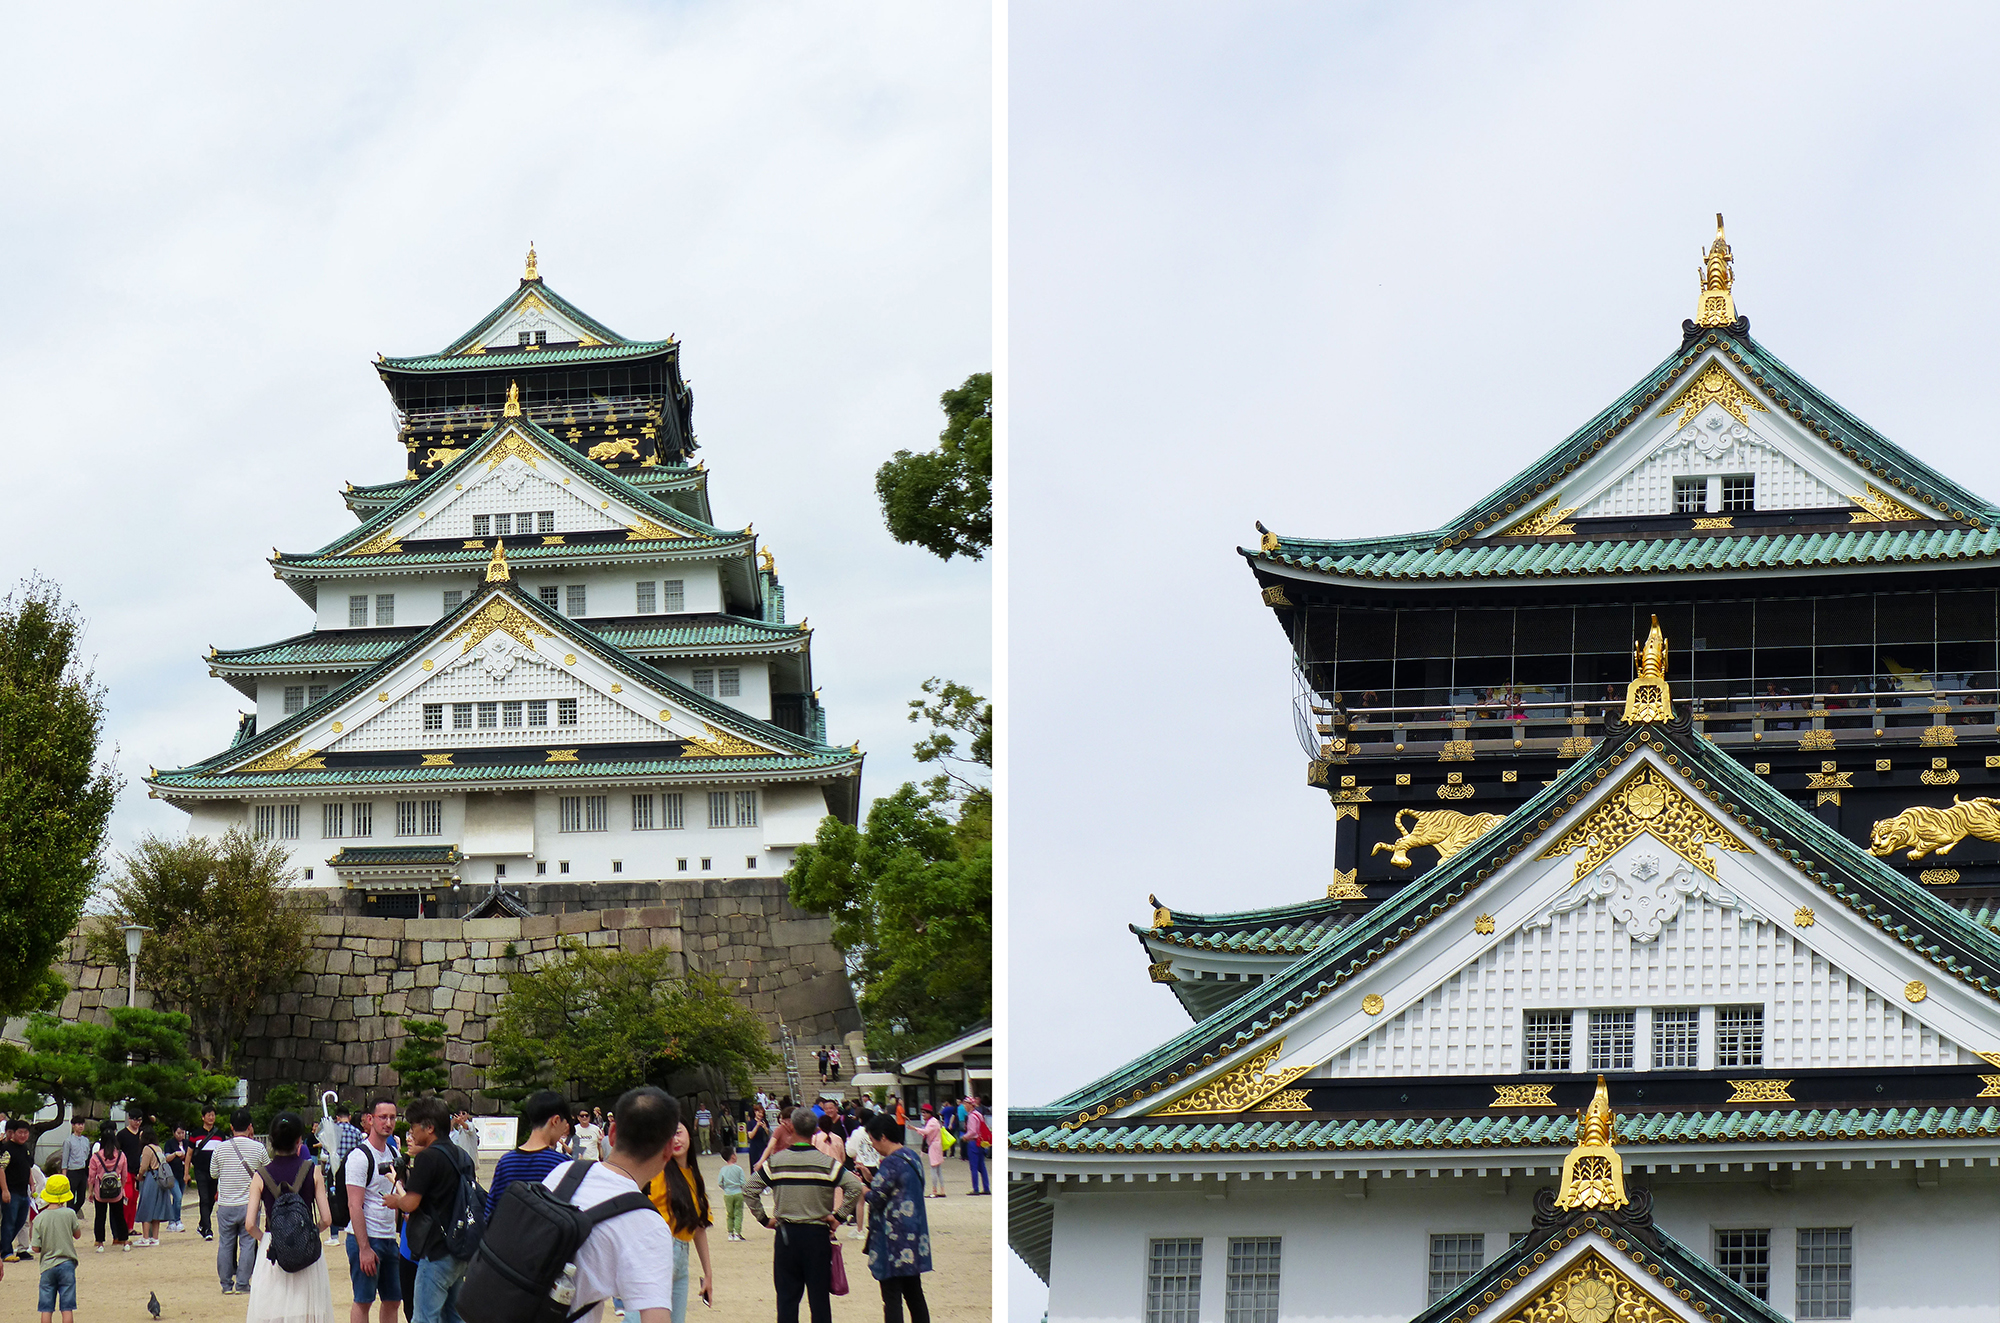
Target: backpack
<point>110,1189</point>
<point>293,1238</point>
<point>525,1268</point>
<point>464,1222</point>
<point>337,1196</point>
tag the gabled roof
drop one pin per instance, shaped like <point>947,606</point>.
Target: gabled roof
<point>1926,927</point>
<point>670,480</point>
<point>1281,930</point>
<point>1496,538</point>
<point>599,343</point>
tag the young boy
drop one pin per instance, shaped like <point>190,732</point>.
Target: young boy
<point>731,1181</point>
<point>56,1231</point>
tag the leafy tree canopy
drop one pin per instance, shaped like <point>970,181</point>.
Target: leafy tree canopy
<point>942,500</point>
<point>140,1059</point>
<point>55,796</point>
<point>419,1061</point>
<point>598,1020</point>
<point>227,930</point>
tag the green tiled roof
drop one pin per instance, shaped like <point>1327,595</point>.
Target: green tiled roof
<point>720,633</point>
<point>471,558</point>
<point>361,856</point>
<point>350,649</point>
<point>1285,930</point>
<point>452,356</point>
<point>500,358</point>
<point>345,649</point>
<point>541,771</point>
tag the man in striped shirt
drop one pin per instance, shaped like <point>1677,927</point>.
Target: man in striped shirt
<point>351,1138</point>
<point>548,1119</point>
<point>806,1187</point>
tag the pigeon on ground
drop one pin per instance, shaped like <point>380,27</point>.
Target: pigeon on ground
<point>153,1303</point>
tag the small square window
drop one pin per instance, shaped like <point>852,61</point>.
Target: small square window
<point>1545,1041</point>
<point>680,865</point>
<point>538,712</point>
<point>521,338</point>
<point>1739,1036</point>
<point>309,875</point>
<point>617,865</point>
<point>750,862</point>
<point>1611,1039</point>
<point>510,713</point>
<point>548,520</point>
<point>551,596</point>
<point>1455,1260</point>
<point>704,682</point>
<point>573,600</point>
<point>1173,1280</point>
<point>499,871</point>
<point>314,692</point>
<point>1739,494</point>
<point>434,716</point>
<point>295,698</point>
<point>1825,1275</point>
<point>452,597</point>
<point>357,611</point>
<point>482,525</point>
<point>1745,1258</point>
<point>1690,495</point>
<point>541,867</point>
<point>524,523</point>
<point>645,599</point>
<point>707,865</point>
<point>503,525</point>
<point>541,337</point>
<point>461,716</point>
<point>1252,1294</point>
<point>563,866</point>
<point>565,711</point>
<point>1676,1038</point>
<point>729,682</point>
<point>673,595</point>
<point>489,716</point>
<point>385,608</point>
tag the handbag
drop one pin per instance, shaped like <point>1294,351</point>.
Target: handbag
<point>837,1272</point>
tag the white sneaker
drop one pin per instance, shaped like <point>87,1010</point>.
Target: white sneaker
<point>100,1249</point>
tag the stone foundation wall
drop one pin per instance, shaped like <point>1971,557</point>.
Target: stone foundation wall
<point>339,1024</point>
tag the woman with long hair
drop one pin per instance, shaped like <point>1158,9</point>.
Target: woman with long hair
<point>155,1188</point>
<point>899,1233</point>
<point>682,1198</point>
<point>759,1136</point>
<point>278,1296</point>
<point>105,1179</point>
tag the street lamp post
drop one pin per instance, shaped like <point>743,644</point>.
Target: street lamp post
<point>135,934</point>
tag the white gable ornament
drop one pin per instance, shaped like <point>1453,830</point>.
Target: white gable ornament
<point>1642,898</point>
<point>496,657</point>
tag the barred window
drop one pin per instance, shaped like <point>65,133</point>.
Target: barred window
<point>565,711</point>
<point>644,594</point>
<point>288,822</point>
<point>524,522</point>
<point>461,716</point>
<point>364,819</point>
<point>1676,1038</point>
<point>670,812</point>
<point>433,817</point>
<point>295,698</point>
<point>573,600</point>
<point>729,682</point>
<point>489,716</point>
<point>357,610</point>
<point>510,712</point>
<point>1611,1036</point>
<point>538,712</point>
<point>1739,494</point>
<point>704,682</point>
<point>419,817</point>
<point>571,815</point>
<point>673,594</point>
<point>385,608</point>
<point>642,813</point>
<point>1545,1040</point>
<point>1454,1260</point>
<point>1825,1273</point>
<point>266,820</point>
<point>1690,495</point>
<point>1745,1258</point>
<point>452,597</point>
<point>333,821</point>
<point>718,808</point>
<point>1252,1294</point>
<point>1739,1036</point>
<point>594,816</point>
<point>482,525</point>
<point>746,808</point>
<point>434,716</point>
<point>551,596</point>
<point>1173,1280</point>
<point>503,525</point>
<point>548,520</point>
<point>315,692</point>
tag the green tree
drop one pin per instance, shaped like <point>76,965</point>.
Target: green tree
<point>910,892</point>
<point>419,1061</point>
<point>227,930</point>
<point>942,500</point>
<point>55,797</point>
<point>141,1059</point>
<point>597,1021</point>
<point>284,1096</point>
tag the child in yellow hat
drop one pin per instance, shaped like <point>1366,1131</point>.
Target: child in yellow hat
<point>54,1234</point>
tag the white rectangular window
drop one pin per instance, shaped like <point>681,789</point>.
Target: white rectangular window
<point>1454,1261</point>
<point>357,611</point>
<point>1545,1040</point>
<point>482,525</point>
<point>434,716</point>
<point>461,716</point>
<point>524,523</point>
<point>570,817</point>
<point>489,716</point>
<point>729,682</point>
<point>288,822</point>
<point>673,595</point>
<point>644,597</point>
<point>452,597</point>
<point>1739,1036</point>
<point>266,819</point>
<point>718,808</point>
<point>642,813</point>
<point>315,692</point>
<point>419,817</point>
<point>1739,494</point>
<point>510,713</point>
<point>538,712</point>
<point>704,682</point>
<point>551,596</point>
<point>1825,1273</point>
<point>1252,1295</point>
<point>746,808</point>
<point>503,525</point>
<point>1173,1280</point>
<point>548,520</point>
<point>1676,1038</point>
<point>1690,495</point>
<point>364,819</point>
<point>573,600</point>
<point>594,816</point>
<point>565,711</point>
<point>295,698</point>
<point>333,821</point>
<point>1745,1258</point>
<point>385,608</point>
<point>1611,1039</point>
<point>433,817</point>
<point>670,811</point>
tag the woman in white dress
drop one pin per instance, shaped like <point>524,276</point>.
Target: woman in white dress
<point>277,1296</point>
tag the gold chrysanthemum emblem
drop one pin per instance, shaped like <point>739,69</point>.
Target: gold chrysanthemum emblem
<point>1589,1300</point>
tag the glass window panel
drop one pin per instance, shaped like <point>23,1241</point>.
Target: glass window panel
<point>1544,629</point>
<point>1611,1039</point>
<point>1423,633</point>
<point>1252,1295</point>
<point>1849,619</point>
<point>1825,1276</point>
<point>1366,635</point>
<point>1739,1036</point>
<point>1173,1281</point>
<point>1905,617</point>
<point>1722,625</point>
<point>1454,1261</point>
<point>1485,633</point>
<point>1605,629</point>
<point>1965,617</point>
<point>1745,1258</point>
<point>1676,1038</point>
<point>1784,624</point>
<point>1545,1041</point>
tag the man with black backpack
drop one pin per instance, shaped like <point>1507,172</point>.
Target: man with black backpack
<point>447,1211</point>
<point>559,1250</point>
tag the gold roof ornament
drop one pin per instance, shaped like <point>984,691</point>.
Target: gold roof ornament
<point>496,569</point>
<point>1162,916</point>
<point>513,409</point>
<point>1647,698</point>
<point>1593,1173</point>
<point>768,563</point>
<point>1718,273</point>
<point>532,273</point>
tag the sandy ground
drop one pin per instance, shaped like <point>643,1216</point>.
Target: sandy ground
<point>181,1269</point>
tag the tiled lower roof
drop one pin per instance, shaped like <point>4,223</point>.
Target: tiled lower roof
<point>362,856</point>
<point>678,767</point>
<point>545,357</point>
<point>1271,932</point>
<point>354,648</point>
<point>521,557</point>
<point>1635,1129</point>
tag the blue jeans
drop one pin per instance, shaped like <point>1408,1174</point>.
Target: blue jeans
<point>235,1252</point>
<point>682,1250</point>
<point>388,1279</point>
<point>58,1287</point>
<point>438,1281</point>
<point>975,1158</point>
<point>12,1220</point>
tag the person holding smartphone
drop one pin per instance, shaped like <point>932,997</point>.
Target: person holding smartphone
<point>682,1198</point>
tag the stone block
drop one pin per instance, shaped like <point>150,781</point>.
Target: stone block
<point>427,976</point>
<point>464,1077</point>
<point>824,994</point>
<point>600,938</point>
<point>493,930</point>
<point>331,925</point>
<point>319,1008</point>
<point>327,985</point>
<point>396,1003</point>
<point>348,1032</point>
<point>614,918</point>
<point>288,1003</point>
<point>667,937</point>
<point>339,962</point>
<point>432,952</point>
<point>458,1049</point>
<point>454,1024</point>
<point>428,930</point>
<point>801,932</point>
<point>364,965</point>
<point>358,926</point>
<point>379,947</point>
<point>403,980</point>
<point>350,985</point>
<point>363,1007</point>
<point>375,984</point>
<point>656,916</point>
<point>585,922</point>
<point>485,966</point>
<point>540,925</point>
<point>464,1000</point>
<point>636,939</point>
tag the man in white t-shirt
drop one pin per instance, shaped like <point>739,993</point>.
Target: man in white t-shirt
<point>630,1256</point>
<point>586,1141</point>
<point>372,1267</point>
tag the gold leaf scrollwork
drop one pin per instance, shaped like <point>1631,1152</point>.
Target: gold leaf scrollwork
<point>1992,1089</point>
<point>1316,772</point>
<point>1351,794</point>
<point>286,758</point>
<point>1938,877</point>
<point>502,616</point>
<point>645,530</point>
<point>381,542</point>
<point>1546,521</point>
<point>1285,1100</point>
<point>719,744</point>
<point>1576,746</point>
<point>1456,751</point>
<point>1709,525</point>
<point>1522,1095</point>
<point>1880,508</point>
<point>1594,1290</point>
<point>1344,887</point>
<point>1804,917</point>
<point>1915,991</point>
<point>1483,925</point>
<point>1238,1089</point>
<point>1940,737</point>
<point>1645,803</point>
<point>1274,595</point>
<point>1713,385</point>
<point>1162,971</point>
<point>1756,1091</point>
<point>1940,773</point>
<point>1816,739</point>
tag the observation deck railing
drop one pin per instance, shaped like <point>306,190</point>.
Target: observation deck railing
<point>555,415</point>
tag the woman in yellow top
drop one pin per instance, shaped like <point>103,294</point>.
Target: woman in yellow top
<point>682,1198</point>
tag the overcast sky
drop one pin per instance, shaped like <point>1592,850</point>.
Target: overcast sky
<point>218,215</point>
<point>1344,270</point>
